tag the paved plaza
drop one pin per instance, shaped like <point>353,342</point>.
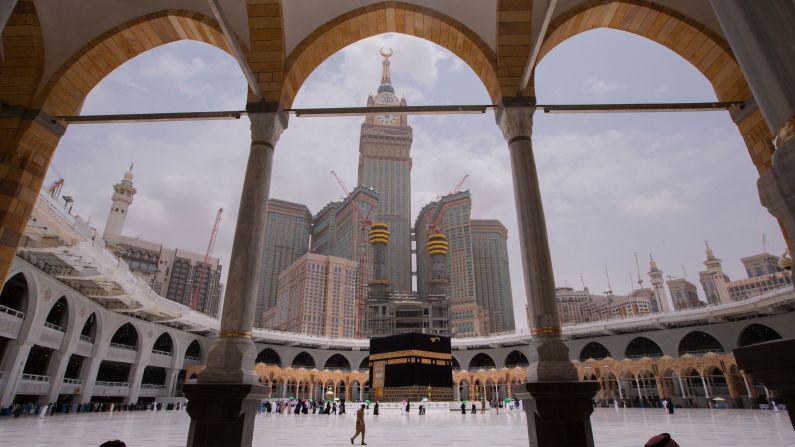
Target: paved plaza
<point>613,428</point>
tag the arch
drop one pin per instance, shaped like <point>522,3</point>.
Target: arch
<point>89,330</point>
<point>25,29</point>
<point>516,359</point>
<point>481,361</point>
<point>757,333</point>
<point>303,360</point>
<point>337,361</point>
<point>194,351</point>
<point>164,343</point>
<point>642,347</point>
<point>694,42</point>
<point>126,335</point>
<point>15,293</point>
<point>58,315</point>
<point>269,357</point>
<point>456,365</point>
<point>594,350</point>
<point>365,363</point>
<point>398,17</point>
<point>66,89</point>
<point>698,342</point>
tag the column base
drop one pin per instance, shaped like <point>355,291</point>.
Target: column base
<point>558,413</point>
<point>222,414</point>
<point>773,364</point>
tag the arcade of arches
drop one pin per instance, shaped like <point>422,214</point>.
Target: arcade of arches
<point>279,54</point>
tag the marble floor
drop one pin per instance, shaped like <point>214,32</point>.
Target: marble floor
<point>613,428</point>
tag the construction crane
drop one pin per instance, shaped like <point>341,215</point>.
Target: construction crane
<point>435,226</point>
<point>460,184</point>
<point>364,223</point>
<point>54,190</point>
<point>194,298</point>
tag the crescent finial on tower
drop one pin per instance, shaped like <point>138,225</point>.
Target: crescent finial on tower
<point>386,55</point>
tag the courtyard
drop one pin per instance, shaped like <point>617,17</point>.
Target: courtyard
<point>614,428</point>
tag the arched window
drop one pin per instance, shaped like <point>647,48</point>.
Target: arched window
<point>269,357</point>
<point>89,331</point>
<point>642,347</point>
<point>594,350</point>
<point>163,344</point>
<point>126,337</point>
<point>194,351</point>
<point>365,364</point>
<point>338,362</point>
<point>15,294</point>
<point>303,360</point>
<point>481,361</point>
<point>58,316</point>
<point>697,343</point>
<point>516,359</point>
<point>757,333</point>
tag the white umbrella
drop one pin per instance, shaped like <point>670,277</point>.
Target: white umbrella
<point>718,398</point>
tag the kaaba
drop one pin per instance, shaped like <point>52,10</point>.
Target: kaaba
<point>411,367</point>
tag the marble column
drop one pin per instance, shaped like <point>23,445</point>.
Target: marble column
<point>223,403</point>
<point>706,388</point>
<point>15,358</point>
<point>760,34</point>
<point>558,406</point>
<point>56,370</point>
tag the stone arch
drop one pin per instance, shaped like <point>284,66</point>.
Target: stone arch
<point>642,347</point>
<point>705,50</point>
<point>455,363</point>
<point>65,91</point>
<point>698,342</point>
<point>303,360</point>
<point>365,363</point>
<point>481,361</point>
<point>756,333</point>
<point>58,315</point>
<point>594,350</point>
<point>384,17</point>
<point>16,293</point>
<point>269,357</point>
<point>516,359</point>
<point>337,362</point>
<point>164,343</point>
<point>127,335</point>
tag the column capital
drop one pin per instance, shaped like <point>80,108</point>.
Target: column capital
<point>268,121</point>
<point>515,116</point>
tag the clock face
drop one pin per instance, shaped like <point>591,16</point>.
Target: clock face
<point>387,120</point>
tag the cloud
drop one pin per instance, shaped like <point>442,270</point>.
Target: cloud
<point>599,87</point>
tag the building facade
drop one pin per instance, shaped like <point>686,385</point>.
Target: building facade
<point>317,297</point>
<point>684,294</point>
<point>286,240</point>
<point>180,275</point>
<point>492,274</point>
<point>385,165</point>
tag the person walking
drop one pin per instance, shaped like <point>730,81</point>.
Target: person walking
<point>483,406</point>
<point>463,408</point>
<point>474,408</point>
<point>359,424</point>
<point>375,409</point>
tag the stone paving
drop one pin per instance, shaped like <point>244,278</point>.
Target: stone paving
<point>613,428</point>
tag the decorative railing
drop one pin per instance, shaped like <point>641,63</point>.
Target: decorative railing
<point>72,381</point>
<point>640,356</point>
<point>195,359</point>
<point>155,351</point>
<point>152,386</point>
<point>125,347</point>
<point>86,339</point>
<point>35,378</point>
<point>112,384</point>
<point>12,312</point>
<point>700,352</point>
<point>54,326</point>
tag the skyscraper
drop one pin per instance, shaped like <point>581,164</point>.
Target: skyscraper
<point>385,165</point>
<point>492,275</point>
<point>286,239</point>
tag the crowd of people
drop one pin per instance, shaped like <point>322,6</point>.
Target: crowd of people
<point>37,409</point>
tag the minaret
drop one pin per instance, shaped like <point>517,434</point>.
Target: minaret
<point>122,198</point>
<point>437,249</point>
<point>713,280</point>
<point>658,285</point>
<point>379,238</point>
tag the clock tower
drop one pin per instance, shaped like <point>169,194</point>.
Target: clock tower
<point>385,165</point>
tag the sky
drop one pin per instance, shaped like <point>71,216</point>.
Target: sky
<point>612,184</point>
